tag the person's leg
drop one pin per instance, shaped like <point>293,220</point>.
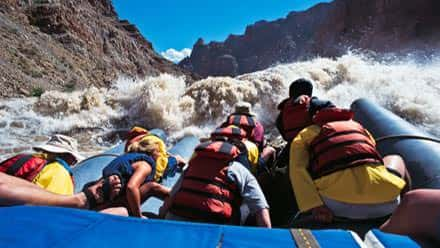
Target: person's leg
<point>397,164</point>
<point>418,215</point>
<point>153,189</point>
<point>122,211</point>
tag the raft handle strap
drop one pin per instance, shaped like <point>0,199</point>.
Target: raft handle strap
<point>304,238</point>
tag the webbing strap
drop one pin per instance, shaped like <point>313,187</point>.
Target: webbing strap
<point>304,238</point>
<point>17,165</point>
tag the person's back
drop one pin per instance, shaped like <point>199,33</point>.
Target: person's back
<point>249,154</point>
<point>297,110</point>
<point>245,119</point>
<point>122,166</point>
<point>335,169</point>
<point>214,186</point>
<point>165,163</point>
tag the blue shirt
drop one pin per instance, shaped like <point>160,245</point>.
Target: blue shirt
<point>122,166</point>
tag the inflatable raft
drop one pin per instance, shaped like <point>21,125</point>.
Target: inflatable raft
<point>91,169</point>
<point>26,226</point>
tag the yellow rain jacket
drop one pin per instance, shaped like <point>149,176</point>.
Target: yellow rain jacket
<point>253,155</point>
<point>55,178</point>
<point>367,184</point>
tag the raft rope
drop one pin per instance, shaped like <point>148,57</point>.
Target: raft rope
<point>100,155</point>
<point>407,136</point>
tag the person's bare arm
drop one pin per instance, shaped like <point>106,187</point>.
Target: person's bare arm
<point>141,170</point>
<point>263,218</point>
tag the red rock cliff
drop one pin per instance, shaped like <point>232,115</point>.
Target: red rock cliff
<point>327,29</point>
<point>70,44</point>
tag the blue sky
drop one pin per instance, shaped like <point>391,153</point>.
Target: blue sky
<point>177,24</point>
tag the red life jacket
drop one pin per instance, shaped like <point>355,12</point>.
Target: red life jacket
<point>342,143</point>
<point>24,166</point>
<point>229,132</point>
<point>295,117</point>
<point>246,122</point>
<point>206,194</point>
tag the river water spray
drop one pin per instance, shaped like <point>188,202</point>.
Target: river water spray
<point>93,116</point>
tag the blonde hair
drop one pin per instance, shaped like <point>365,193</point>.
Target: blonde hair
<point>143,146</point>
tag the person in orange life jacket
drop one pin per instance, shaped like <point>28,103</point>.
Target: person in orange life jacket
<point>335,170</point>
<point>245,119</point>
<point>296,113</point>
<point>213,188</point>
<point>50,167</point>
<point>166,164</point>
<point>249,154</point>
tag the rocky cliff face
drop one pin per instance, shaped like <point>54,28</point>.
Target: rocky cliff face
<point>328,29</point>
<point>70,44</point>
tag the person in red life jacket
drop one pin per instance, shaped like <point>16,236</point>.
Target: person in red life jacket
<point>335,170</point>
<point>214,187</point>
<point>244,118</point>
<point>50,167</point>
<point>249,154</point>
<point>18,191</point>
<point>296,113</point>
<point>417,216</point>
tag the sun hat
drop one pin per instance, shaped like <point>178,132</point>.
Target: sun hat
<point>59,143</point>
<point>243,108</point>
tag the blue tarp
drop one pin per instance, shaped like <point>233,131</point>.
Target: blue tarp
<point>26,226</point>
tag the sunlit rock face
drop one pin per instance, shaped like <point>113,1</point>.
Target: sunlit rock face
<point>328,30</point>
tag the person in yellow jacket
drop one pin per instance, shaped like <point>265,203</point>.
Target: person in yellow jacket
<point>335,170</point>
<point>61,153</point>
<point>49,168</point>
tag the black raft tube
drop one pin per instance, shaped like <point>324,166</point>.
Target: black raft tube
<point>394,135</point>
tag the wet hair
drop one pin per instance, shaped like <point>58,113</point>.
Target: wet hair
<point>143,146</point>
<point>300,87</point>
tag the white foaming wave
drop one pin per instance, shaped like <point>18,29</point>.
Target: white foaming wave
<point>407,88</point>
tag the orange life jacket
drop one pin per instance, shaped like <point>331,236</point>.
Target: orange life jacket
<point>206,193</point>
<point>229,132</point>
<point>342,143</point>
<point>246,122</point>
<point>295,117</point>
<point>24,166</point>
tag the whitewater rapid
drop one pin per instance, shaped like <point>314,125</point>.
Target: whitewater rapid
<point>408,88</point>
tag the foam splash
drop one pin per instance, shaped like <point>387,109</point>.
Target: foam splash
<point>407,88</point>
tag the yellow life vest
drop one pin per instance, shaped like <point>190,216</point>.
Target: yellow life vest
<point>55,178</point>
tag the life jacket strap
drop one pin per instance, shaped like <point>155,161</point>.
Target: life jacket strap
<point>18,164</point>
<point>207,194</point>
<point>207,181</point>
